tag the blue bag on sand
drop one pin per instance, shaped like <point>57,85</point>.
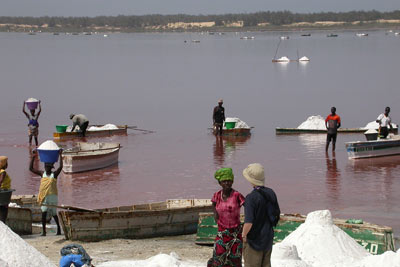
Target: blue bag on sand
<point>67,260</point>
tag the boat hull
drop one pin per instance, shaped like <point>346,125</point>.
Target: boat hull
<point>279,130</point>
<point>20,220</point>
<point>235,132</point>
<point>122,130</point>
<point>173,217</point>
<point>374,238</point>
<point>376,148</point>
<point>87,161</point>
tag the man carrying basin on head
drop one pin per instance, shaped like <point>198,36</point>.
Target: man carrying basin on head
<point>81,121</point>
<point>384,121</point>
<point>219,117</point>
<point>332,123</point>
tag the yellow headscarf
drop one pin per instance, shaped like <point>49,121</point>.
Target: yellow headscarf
<point>3,161</point>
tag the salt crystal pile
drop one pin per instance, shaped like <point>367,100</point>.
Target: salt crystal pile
<point>17,253</point>
<point>285,255</point>
<point>321,243</point>
<point>375,125</point>
<point>313,123</point>
<point>387,259</point>
<point>48,145</point>
<point>32,100</point>
<point>104,127</point>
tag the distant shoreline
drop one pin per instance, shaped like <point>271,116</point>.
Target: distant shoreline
<point>282,28</point>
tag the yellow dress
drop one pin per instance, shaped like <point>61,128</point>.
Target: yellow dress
<point>6,184</point>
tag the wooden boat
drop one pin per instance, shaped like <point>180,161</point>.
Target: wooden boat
<point>332,35</point>
<point>374,238</point>
<point>29,202</point>
<point>122,130</point>
<point>172,217</point>
<point>306,34</point>
<point>234,132</point>
<point>90,156</point>
<point>20,220</point>
<point>375,148</point>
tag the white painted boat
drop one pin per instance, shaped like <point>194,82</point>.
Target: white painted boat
<point>304,59</point>
<point>90,156</point>
<point>375,148</point>
<point>284,37</point>
<point>361,34</point>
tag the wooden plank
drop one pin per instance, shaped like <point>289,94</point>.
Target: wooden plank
<point>279,130</point>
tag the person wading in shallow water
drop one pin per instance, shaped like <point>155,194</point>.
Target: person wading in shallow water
<point>226,203</point>
<point>48,194</point>
<point>384,122</point>
<point>33,125</point>
<point>219,117</point>
<point>332,123</point>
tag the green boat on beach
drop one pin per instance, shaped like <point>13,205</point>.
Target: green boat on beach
<point>374,238</point>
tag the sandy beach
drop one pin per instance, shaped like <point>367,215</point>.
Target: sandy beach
<point>124,249</point>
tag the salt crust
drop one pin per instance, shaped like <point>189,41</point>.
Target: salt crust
<point>316,122</point>
<point>48,145</point>
<point>17,253</point>
<point>160,260</point>
<point>104,127</point>
<point>239,123</point>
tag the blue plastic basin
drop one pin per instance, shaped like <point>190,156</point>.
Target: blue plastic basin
<point>48,156</point>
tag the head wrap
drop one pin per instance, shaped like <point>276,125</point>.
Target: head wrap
<point>3,162</point>
<point>224,174</point>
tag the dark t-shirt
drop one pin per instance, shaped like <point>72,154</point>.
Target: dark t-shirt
<point>256,211</point>
<point>219,114</point>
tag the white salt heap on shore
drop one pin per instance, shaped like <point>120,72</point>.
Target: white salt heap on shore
<point>15,252</point>
<point>313,123</point>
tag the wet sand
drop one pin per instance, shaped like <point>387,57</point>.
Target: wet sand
<point>124,249</point>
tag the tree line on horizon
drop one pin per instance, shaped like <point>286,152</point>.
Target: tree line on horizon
<point>249,19</point>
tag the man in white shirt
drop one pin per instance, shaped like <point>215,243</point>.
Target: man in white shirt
<point>384,122</point>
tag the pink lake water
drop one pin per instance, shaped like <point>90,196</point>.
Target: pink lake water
<point>160,83</point>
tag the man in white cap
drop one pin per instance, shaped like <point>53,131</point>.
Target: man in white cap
<point>261,215</point>
<point>219,117</point>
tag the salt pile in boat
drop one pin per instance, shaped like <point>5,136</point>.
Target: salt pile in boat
<point>375,125</point>
<point>48,145</point>
<point>32,100</point>
<point>104,127</point>
<point>313,123</point>
<point>17,253</point>
<point>239,123</point>
<point>160,260</point>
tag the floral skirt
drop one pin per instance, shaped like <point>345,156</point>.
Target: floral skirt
<point>227,248</point>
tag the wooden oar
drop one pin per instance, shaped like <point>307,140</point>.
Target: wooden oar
<point>66,207</point>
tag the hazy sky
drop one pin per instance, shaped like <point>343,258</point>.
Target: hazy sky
<point>139,7</point>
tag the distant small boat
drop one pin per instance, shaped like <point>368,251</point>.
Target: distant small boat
<point>105,35</point>
<point>281,60</point>
<point>75,33</point>
<point>195,41</point>
<point>247,37</point>
<point>56,33</point>
<point>361,34</point>
<point>332,35</point>
<point>397,33</point>
<point>32,33</point>
<point>284,37</point>
<point>306,34</point>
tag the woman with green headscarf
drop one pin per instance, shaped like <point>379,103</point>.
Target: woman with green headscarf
<point>227,202</point>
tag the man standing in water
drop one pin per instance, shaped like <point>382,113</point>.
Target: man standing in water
<point>81,121</point>
<point>332,123</point>
<point>219,117</point>
<point>384,121</point>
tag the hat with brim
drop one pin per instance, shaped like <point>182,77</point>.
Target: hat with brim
<point>254,173</point>
<point>3,161</point>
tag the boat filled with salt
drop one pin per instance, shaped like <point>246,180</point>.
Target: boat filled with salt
<point>234,127</point>
<point>374,148</point>
<point>93,131</point>
<point>374,238</point>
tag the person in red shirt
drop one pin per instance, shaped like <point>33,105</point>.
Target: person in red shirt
<point>332,123</point>
<point>227,203</point>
